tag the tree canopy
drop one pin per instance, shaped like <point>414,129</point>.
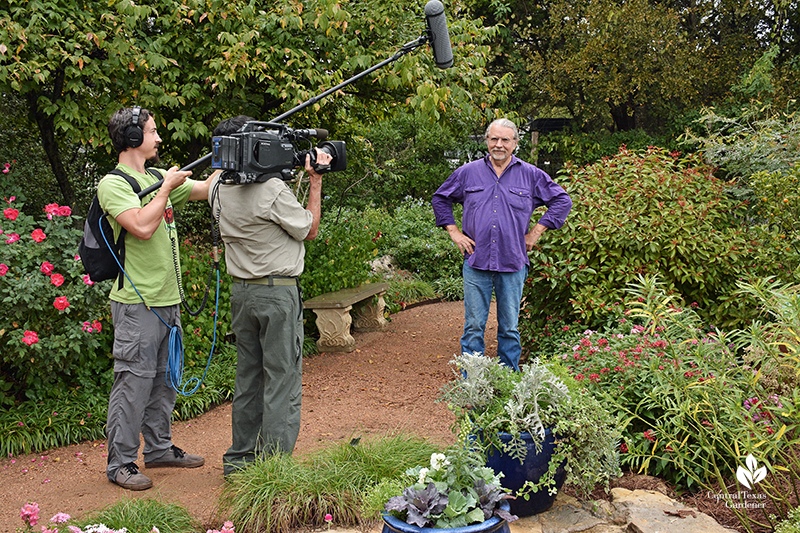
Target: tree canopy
<point>195,62</point>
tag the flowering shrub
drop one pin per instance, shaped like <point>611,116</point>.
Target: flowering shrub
<point>694,411</point>
<point>46,346</point>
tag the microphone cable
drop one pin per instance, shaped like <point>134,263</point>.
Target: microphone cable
<point>174,374</point>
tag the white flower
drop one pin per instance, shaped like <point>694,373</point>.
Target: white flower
<point>439,460</point>
<point>423,473</point>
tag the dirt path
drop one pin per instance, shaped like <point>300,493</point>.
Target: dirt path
<point>388,384</point>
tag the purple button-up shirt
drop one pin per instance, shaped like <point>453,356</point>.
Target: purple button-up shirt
<point>497,211</point>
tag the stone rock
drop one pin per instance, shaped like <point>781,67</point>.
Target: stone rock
<point>652,512</point>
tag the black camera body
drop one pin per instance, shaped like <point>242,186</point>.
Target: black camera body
<point>263,150</point>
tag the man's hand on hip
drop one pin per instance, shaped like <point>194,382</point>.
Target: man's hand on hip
<point>464,243</point>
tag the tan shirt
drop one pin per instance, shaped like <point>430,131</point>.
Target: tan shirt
<point>263,227</point>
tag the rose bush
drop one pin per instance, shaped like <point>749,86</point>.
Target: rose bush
<point>52,338</point>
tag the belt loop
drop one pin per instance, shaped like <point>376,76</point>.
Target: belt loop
<point>269,279</point>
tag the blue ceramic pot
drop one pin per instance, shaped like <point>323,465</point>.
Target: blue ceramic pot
<point>392,524</point>
<point>532,468</point>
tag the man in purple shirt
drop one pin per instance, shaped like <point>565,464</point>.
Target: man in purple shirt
<point>499,194</point>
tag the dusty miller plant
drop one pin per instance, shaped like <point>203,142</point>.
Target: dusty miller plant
<point>489,399</point>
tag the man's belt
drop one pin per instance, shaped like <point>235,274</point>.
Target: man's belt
<point>270,280</point>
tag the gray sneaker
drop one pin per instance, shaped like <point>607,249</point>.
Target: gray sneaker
<point>129,477</point>
<point>178,458</point>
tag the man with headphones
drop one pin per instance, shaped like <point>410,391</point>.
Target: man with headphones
<point>141,401</point>
<point>499,194</point>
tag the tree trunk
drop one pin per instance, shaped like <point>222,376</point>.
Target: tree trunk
<point>47,132</point>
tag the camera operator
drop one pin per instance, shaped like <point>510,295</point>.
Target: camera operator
<point>263,227</point>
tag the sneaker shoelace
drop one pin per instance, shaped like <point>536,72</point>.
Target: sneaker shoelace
<point>178,452</point>
<point>131,468</point>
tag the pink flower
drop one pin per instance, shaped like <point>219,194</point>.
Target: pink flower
<point>74,529</point>
<point>30,337</point>
<point>11,213</point>
<point>3,269</point>
<point>30,513</point>
<point>7,168</point>
<point>64,211</point>
<point>60,518</point>
<point>97,326</point>
<point>61,303</point>
<point>47,268</point>
<point>87,327</point>
<point>87,280</point>
<point>57,279</point>
<point>12,237</point>
<point>38,235</point>
<point>51,209</point>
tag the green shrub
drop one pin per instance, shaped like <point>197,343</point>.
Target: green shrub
<point>141,515</point>
<point>198,331</point>
<point>411,237</point>
<point>639,214</point>
<point>791,524</point>
<point>449,289</point>
<point>405,291</point>
<point>339,256</point>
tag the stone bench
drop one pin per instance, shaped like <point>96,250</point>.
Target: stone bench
<point>334,320</point>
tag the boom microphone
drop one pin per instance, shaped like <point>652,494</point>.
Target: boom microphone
<point>439,36</point>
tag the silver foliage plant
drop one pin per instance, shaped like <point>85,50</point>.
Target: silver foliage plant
<point>489,399</point>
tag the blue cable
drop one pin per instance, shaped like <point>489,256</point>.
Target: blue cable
<point>174,374</point>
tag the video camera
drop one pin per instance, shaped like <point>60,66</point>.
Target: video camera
<point>263,150</point>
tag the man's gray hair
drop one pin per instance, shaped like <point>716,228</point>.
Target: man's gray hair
<point>504,123</point>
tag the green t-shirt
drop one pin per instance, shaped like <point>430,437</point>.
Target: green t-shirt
<point>149,264</point>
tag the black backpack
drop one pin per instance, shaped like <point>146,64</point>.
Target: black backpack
<point>96,256</point>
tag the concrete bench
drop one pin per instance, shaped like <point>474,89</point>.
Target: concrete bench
<point>334,320</point>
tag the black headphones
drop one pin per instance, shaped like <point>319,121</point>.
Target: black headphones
<point>134,136</point>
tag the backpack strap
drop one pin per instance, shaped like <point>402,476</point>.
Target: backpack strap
<point>120,244</point>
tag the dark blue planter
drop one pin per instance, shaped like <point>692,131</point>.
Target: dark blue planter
<point>392,524</point>
<point>533,467</point>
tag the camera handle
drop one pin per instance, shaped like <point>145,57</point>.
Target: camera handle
<point>405,49</point>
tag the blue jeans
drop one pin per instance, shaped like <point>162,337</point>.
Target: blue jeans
<point>507,286</point>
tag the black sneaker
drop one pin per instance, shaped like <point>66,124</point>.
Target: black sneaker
<point>129,477</point>
<point>178,458</point>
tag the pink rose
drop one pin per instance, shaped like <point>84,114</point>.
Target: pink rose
<point>38,235</point>
<point>97,325</point>
<point>57,279</point>
<point>61,303</point>
<point>64,211</point>
<point>47,268</point>
<point>3,269</point>
<point>30,337</point>
<point>12,237</point>
<point>51,209</point>
<point>87,280</point>
<point>10,213</point>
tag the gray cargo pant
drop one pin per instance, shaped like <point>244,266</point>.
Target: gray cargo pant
<point>140,400</point>
<point>268,323</point>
